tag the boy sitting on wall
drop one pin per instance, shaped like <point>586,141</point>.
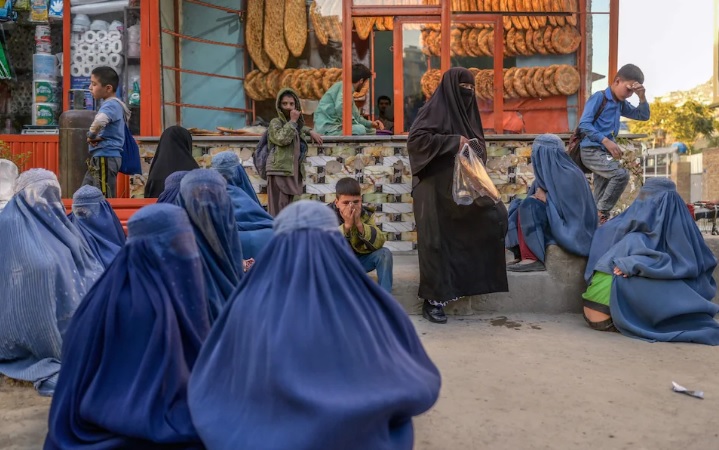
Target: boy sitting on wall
<point>364,236</point>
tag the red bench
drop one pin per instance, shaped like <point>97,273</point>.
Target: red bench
<point>123,207</point>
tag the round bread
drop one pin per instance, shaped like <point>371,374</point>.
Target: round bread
<point>328,80</point>
<point>512,7</point>
<point>482,41</point>
<point>249,86</point>
<point>318,89</point>
<point>465,42</point>
<point>378,23</point>
<point>571,6</point>
<point>487,80</point>
<point>260,84</point>
<point>478,85</point>
<point>518,82</point>
<point>295,17</point>
<point>362,93</point>
<point>549,79</point>
<point>538,83</point>
<point>503,5</point>
<point>536,6</point>
<point>496,5</point>
<point>286,78</point>
<point>318,25</point>
<point>557,6</point>
<point>534,23</point>
<point>508,83</point>
<point>538,41</point>
<point>456,42</point>
<point>529,42</point>
<point>548,40</point>
<point>473,42</point>
<point>521,44</point>
<point>474,72</point>
<point>425,48</point>
<point>273,82</point>
<point>566,40</point>
<point>511,40</point>
<point>490,41</point>
<point>566,79</point>
<point>528,83</point>
<point>363,26</point>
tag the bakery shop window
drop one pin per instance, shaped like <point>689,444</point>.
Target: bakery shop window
<point>30,69</point>
<point>303,51</point>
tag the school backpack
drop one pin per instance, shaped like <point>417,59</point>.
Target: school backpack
<point>259,158</point>
<point>131,164</point>
<point>573,149</point>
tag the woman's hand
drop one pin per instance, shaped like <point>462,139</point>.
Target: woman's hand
<point>619,273</point>
<point>247,264</point>
<point>462,140</point>
<point>540,195</point>
<point>316,138</point>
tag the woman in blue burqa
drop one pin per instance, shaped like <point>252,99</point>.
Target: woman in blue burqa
<point>203,195</point>
<point>172,187</point>
<point>46,269</point>
<point>97,222</point>
<point>650,272</point>
<point>133,342</point>
<point>254,223</point>
<point>559,209</point>
<point>310,353</point>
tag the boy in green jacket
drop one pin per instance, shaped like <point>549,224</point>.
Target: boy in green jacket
<point>287,139</point>
<point>358,227</point>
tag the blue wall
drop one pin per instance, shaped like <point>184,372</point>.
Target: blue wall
<point>215,25</point>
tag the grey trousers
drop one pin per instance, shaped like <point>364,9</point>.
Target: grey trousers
<point>608,176</point>
<point>102,173</point>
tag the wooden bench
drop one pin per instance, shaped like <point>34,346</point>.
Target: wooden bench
<point>123,207</point>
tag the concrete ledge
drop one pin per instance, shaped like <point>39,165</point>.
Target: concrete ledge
<point>556,291</point>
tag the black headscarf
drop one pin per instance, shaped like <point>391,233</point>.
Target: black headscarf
<point>173,154</point>
<point>450,112</point>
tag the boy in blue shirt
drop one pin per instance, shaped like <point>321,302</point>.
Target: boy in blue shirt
<point>599,150</point>
<point>106,137</point>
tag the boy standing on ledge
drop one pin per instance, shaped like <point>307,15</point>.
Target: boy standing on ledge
<point>106,137</point>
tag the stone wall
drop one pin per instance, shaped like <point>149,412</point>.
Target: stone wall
<point>710,161</point>
<point>382,168</point>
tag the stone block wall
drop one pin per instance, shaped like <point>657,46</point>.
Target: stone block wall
<point>383,170</point>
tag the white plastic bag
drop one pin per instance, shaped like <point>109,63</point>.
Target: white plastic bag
<point>471,180</point>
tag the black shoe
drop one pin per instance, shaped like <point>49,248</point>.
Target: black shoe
<point>434,314</point>
<point>536,266</point>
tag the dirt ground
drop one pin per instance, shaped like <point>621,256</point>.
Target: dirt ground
<point>523,382</point>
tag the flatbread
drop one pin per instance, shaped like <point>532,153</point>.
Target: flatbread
<point>490,41</point>
<point>328,80</point>
<point>286,78</point>
<point>518,82</point>
<point>482,41</point>
<point>254,34</point>
<point>296,26</point>
<point>363,26</point>
<point>538,41</point>
<point>334,27</point>
<point>509,42</point>
<point>566,79</point>
<point>528,83</point>
<point>318,24</point>
<point>557,6</point>
<point>538,83</point>
<point>456,42</point>
<point>521,44</point>
<point>248,85</point>
<point>571,6</point>
<point>465,42</point>
<point>274,33</point>
<point>508,83</point>
<point>548,8</point>
<point>316,82</point>
<point>529,42</point>
<point>473,41</point>
<point>566,39</point>
<point>547,38</point>
<point>389,23</point>
<point>273,82</point>
<point>549,79</point>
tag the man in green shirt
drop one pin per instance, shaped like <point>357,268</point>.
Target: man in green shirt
<point>328,116</point>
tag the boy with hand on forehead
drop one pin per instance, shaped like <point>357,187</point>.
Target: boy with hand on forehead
<point>599,150</point>
<point>106,137</point>
<point>364,236</point>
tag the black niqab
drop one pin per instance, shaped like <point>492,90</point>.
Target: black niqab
<point>173,154</point>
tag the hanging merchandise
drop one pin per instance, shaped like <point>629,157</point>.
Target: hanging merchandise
<point>38,11</point>
<point>7,13</point>
<point>134,97</point>
<point>56,9</point>
<point>5,72</point>
<point>43,44</point>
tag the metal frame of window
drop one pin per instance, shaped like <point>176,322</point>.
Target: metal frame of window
<point>429,14</point>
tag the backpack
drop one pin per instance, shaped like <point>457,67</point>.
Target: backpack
<point>573,149</point>
<point>131,164</point>
<point>259,158</point>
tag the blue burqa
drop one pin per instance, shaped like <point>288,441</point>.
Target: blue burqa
<point>46,269</point>
<point>669,290</point>
<point>133,342</point>
<point>97,222</point>
<point>172,187</point>
<point>203,194</point>
<point>230,167</point>
<point>569,218</point>
<point>310,353</point>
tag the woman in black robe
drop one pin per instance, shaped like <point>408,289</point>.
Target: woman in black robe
<point>173,154</point>
<point>461,248</point>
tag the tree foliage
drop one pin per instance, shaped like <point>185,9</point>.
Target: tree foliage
<point>685,123</point>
